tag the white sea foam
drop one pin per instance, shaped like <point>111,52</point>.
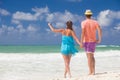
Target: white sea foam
<point>47,66</point>
<point>101,45</point>
<point>108,45</point>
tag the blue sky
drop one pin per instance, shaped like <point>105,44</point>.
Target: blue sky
<point>24,22</point>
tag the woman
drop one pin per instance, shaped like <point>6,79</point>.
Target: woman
<point>67,46</point>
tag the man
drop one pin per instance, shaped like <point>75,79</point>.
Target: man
<point>88,38</point>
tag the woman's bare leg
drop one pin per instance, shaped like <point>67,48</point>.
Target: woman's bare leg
<point>67,65</point>
<point>69,72</point>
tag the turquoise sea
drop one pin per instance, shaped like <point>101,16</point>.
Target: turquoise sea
<point>48,49</point>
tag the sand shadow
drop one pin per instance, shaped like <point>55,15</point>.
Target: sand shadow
<point>101,73</point>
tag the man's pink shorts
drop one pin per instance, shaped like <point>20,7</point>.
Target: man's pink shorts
<point>90,47</point>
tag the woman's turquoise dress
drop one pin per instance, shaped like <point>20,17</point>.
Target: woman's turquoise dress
<point>67,46</point>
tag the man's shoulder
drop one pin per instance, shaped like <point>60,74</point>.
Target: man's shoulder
<point>94,20</point>
<point>83,21</point>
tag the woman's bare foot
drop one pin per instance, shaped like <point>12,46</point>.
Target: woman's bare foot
<point>91,74</point>
<point>64,75</point>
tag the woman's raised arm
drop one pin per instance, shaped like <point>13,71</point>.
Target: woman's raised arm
<point>55,30</point>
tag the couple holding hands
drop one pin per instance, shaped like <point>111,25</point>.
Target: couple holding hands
<point>88,41</point>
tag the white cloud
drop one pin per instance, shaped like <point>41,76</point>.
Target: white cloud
<point>106,17</point>
<point>4,12</point>
<point>39,14</point>
<point>18,30</point>
<point>15,21</point>
<point>5,30</point>
<point>31,29</point>
<point>48,30</point>
<point>21,29</point>
<point>117,27</point>
<point>60,24</point>
<point>40,10</point>
<point>20,34</point>
<point>58,18</point>
<point>115,14</point>
<point>24,16</point>
<point>10,28</point>
<point>61,18</point>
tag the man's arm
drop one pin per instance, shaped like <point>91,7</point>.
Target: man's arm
<point>82,37</point>
<point>99,34</point>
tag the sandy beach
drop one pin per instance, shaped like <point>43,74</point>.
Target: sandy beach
<point>29,66</point>
<point>98,76</point>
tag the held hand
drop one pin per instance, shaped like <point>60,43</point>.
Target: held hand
<point>81,46</point>
<point>98,41</point>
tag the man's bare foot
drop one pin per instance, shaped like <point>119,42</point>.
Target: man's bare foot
<point>70,76</point>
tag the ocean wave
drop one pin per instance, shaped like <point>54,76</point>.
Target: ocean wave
<point>101,45</point>
<point>108,46</point>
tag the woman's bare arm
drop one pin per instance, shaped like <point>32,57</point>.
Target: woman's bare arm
<point>75,37</point>
<point>55,30</point>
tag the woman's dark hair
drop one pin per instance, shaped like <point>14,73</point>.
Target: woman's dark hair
<point>69,25</point>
